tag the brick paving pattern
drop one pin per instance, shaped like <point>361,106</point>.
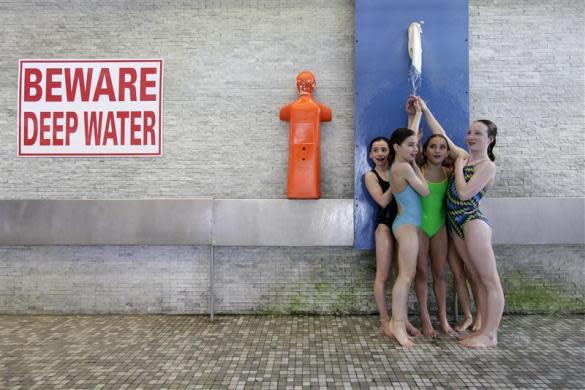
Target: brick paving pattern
<point>279,352</point>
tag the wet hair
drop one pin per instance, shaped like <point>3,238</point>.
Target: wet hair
<point>492,131</point>
<point>423,159</point>
<point>398,137</point>
<point>376,140</point>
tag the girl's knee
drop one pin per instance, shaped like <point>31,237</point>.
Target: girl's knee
<point>382,277</point>
<point>438,273</point>
<point>422,268</point>
<point>491,282</point>
<point>408,274</point>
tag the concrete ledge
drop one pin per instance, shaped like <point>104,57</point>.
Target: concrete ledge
<point>255,222</point>
<point>106,222</point>
<point>283,222</point>
<point>536,220</point>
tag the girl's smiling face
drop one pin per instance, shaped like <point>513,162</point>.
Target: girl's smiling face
<point>477,137</point>
<point>437,150</point>
<point>379,152</point>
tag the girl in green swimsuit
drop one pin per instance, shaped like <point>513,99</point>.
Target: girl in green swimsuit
<point>434,237</point>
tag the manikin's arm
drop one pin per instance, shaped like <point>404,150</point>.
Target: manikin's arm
<point>325,114</point>
<point>285,113</point>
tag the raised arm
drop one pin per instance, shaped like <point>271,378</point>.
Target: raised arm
<point>484,173</point>
<point>436,128</point>
<point>414,111</point>
<point>382,198</point>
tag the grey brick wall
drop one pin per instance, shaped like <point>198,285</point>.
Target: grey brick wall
<point>230,65</point>
<point>527,73</point>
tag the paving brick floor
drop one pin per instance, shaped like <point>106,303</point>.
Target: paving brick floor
<point>278,352</point>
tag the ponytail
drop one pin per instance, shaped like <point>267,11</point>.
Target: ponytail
<point>490,150</point>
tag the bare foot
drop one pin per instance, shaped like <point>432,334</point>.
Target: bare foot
<point>385,329</point>
<point>428,330</point>
<point>464,325</point>
<point>446,329</point>
<point>477,324</point>
<point>412,330</point>
<point>466,336</point>
<point>400,333</point>
<point>480,341</point>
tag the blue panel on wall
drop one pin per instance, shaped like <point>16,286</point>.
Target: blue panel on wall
<point>382,84</point>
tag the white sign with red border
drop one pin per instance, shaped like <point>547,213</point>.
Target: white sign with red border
<point>90,107</point>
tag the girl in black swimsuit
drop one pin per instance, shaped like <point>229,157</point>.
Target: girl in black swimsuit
<point>379,188</point>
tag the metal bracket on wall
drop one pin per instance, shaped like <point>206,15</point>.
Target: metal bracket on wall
<point>211,294</point>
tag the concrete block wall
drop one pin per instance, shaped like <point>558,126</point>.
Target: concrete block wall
<point>318,280</point>
<point>229,66</point>
<point>104,279</point>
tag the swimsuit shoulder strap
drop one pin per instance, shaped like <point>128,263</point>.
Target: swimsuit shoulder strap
<point>445,173</point>
<point>378,176</point>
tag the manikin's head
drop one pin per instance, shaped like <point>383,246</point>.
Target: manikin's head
<point>306,82</point>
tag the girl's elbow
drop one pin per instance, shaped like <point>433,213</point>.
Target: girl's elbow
<point>465,196</point>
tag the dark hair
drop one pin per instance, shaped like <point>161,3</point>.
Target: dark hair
<point>398,137</point>
<point>423,159</point>
<point>376,140</point>
<point>492,131</point>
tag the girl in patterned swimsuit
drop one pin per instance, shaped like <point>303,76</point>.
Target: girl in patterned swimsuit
<point>472,175</point>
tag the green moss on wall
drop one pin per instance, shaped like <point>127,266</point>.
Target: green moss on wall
<point>527,294</point>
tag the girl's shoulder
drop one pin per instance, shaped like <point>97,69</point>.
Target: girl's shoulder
<point>400,166</point>
<point>400,169</point>
<point>370,173</point>
<point>484,165</point>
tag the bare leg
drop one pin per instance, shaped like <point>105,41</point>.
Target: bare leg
<point>439,246</point>
<point>478,242</point>
<point>421,281</point>
<point>407,238</point>
<point>384,246</point>
<point>458,271</point>
<point>411,329</point>
<point>473,282</point>
<point>472,274</point>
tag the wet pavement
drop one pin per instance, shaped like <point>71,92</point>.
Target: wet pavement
<point>279,352</point>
